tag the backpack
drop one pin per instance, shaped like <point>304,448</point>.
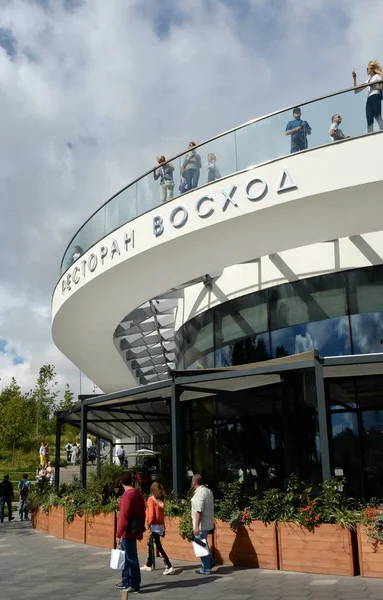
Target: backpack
<point>23,490</point>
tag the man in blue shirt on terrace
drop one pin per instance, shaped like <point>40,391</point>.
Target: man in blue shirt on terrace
<point>299,130</point>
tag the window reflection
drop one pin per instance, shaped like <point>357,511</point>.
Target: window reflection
<point>367,332</point>
<point>250,350</point>
<point>301,316</point>
<point>330,337</point>
<point>314,299</point>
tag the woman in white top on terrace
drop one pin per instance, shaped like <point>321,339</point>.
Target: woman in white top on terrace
<point>374,100</point>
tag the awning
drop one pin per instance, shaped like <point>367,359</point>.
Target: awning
<point>145,410</point>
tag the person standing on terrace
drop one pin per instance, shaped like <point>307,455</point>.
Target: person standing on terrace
<point>299,130</point>
<point>165,174</point>
<point>213,172</point>
<point>374,99</point>
<point>191,167</point>
<point>336,133</point>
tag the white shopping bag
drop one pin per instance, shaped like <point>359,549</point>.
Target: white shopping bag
<point>200,550</point>
<point>117,559</point>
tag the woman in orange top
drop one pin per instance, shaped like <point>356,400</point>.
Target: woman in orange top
<point>155,520</point>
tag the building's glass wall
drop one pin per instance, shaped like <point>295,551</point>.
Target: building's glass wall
<point>356,409</point>
<point>337,313</point>
<point>260,436</point>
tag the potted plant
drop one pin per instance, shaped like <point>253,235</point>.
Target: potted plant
<point>242,537</point>
<point>370,541</point>
<point>318,538</point>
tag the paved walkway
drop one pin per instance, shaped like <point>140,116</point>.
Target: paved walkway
<point>35,566</point>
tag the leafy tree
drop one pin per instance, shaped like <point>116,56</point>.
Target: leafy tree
<point>15,416</point>
<point>67,400</point>
<point>44,397</point>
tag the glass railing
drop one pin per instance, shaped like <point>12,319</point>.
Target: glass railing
<point>251,144</point>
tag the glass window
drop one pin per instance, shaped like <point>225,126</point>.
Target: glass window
<point>121,208</point>
<point>331,337</point>
<point>241,318</point>
<point>250,350</point>
<point>178,340</point>
<point>367,332</point>
<point>366,290</point>
<point>198,341</point>
<point>314,299</point>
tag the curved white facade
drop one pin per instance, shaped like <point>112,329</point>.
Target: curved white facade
<point>313,212</point>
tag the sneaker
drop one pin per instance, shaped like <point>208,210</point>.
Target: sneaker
<point>146,568</point>
<point>121,586</point>
<point>168,571</point>
<point>11,519</point>
<point>131,590</point>
<point>203,572</point>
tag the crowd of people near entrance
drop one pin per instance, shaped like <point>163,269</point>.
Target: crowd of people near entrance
<point>135,518</point>
<point>73,452</point>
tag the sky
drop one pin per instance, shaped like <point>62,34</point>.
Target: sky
<point>92,90</point>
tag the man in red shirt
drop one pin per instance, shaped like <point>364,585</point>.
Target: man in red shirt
<point>131,524</point>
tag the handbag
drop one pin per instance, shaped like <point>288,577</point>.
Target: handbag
<point>136,525</point>
<point>117,559</point>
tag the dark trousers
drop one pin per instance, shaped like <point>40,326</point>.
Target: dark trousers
<point>5,501</point>
<point>374,111</point>
<point>192,177</point>
<point>131,574</point>
<point>68,455</point>
<point>298,146</point>
<point>155,538</point>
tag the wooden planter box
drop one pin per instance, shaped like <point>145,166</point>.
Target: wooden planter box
<point>101,530</point>
<point>75,531</point>
<point>56,520</point>
<point>249,547</point>
<point>42,520</point>
<point>33,516</point>
<point>327,550</point>
<point>370,556</point>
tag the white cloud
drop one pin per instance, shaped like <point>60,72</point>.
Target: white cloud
<point>94,93</point>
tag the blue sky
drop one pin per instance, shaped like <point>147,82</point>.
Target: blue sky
<point>93,90</point>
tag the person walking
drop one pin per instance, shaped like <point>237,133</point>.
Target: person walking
<point>42,454</point>
<point>155,521</point>
<point>24,487</point>
<point>68,449</point>
<point>131,525</point>
<point>75,454</point>
<point>6,497</point>
<point>121,455</point>
<point>165,174</point>
<point>191,167</point>
<point>202,506</point>
<point>374,98</point>
<point>298,130</point>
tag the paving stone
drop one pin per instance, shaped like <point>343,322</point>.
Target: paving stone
<point>28,559</point>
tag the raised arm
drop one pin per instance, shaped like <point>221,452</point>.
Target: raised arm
<point>357,89</point>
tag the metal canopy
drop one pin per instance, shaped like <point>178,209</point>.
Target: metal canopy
<point>145,410</point>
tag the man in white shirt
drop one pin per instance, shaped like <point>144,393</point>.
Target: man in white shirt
<point>335,131</point>
<point>203,517</point>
